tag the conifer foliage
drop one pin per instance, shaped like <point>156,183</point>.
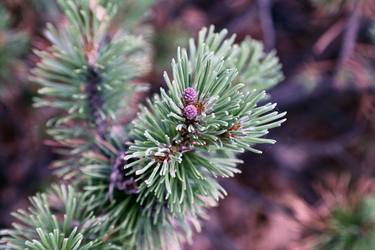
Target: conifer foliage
<point>149,186</point>
<point>12,44</point>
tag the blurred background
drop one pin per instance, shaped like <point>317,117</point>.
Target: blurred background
<point>287,197</point>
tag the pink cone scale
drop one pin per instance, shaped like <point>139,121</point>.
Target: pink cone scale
<point>190,112</point>
<point>190,95</point>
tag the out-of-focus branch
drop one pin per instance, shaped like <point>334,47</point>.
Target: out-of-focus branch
<point>350,37</point>
<point>326,39</point>
<point>266,23</point>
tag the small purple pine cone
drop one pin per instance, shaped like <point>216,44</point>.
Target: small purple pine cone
<point>190,112</point>
<point>190,95</point>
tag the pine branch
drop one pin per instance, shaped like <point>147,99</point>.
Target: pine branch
<point>59,219</point>
<point>132,11</point>
<point>344,218</point>
<point>125,195</point>
<point>12,44</point>
<point>87,73</point>
<point>134,225</point>
<point>204,110</point>
<point>152,187</point>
